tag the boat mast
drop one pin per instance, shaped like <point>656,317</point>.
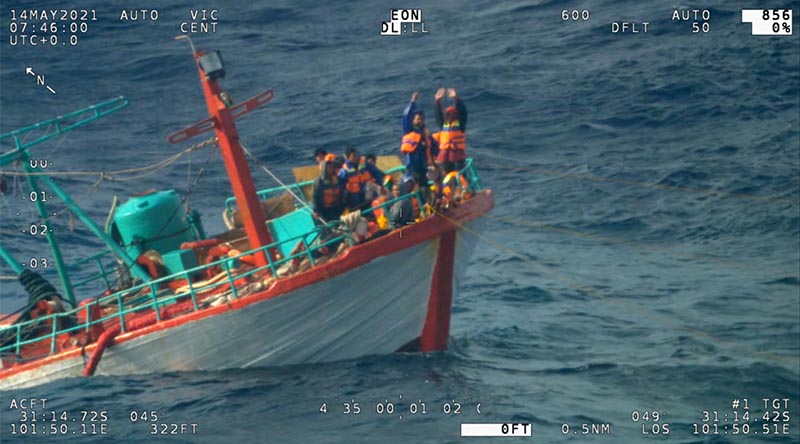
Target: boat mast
<point>209,67</point>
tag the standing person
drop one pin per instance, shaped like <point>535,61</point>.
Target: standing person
<point>354,178</point>
<point>327,195</point>
<point>417,144</point>
<point>452,139</point>
<point>319,155</point>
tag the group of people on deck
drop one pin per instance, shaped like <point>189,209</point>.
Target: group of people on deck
<point>432,161</point>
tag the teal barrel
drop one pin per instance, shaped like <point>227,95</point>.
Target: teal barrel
<point>153,220</point>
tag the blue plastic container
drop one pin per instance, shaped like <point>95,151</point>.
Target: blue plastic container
<point>177,261</point>
<point>291,225</point>
<point>154,220</point>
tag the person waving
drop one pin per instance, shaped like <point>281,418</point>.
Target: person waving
<point>452,139</point>
<point>417,143</point>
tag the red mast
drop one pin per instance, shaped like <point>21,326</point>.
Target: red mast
<point>250,209</point>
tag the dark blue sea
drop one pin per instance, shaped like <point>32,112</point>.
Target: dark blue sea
<point>642,256</point>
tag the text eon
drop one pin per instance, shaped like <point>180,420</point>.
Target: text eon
<point>406,15</point>
<point>403,21</point>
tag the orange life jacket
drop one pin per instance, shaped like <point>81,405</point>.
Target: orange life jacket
<point>412,140</point>
<point>357,179</point>
<point>377,205</point>
<point>415,205</point>
<point>332,196</point>
<point>452,143</point>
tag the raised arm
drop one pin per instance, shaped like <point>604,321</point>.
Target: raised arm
<point>408,113</point>
<point>439,111</point>
<point>375,172</point>
<point>462,113</point>
<point>461,108</point>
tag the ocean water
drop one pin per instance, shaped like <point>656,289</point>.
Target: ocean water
<point>642,255</point>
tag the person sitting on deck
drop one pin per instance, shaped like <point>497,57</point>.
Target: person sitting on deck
<point>452,139</point>
<point>454,186</point>
<point>410,186</point>
<point>327,192</point>
<point>417,145</point>
<point>354,179</point>
<point>434,197</point>
<point>402,211</point>
<point>378,210</point>
<point>376,195</point>
<point>387,179</point>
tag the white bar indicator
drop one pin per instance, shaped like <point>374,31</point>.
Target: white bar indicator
<point>768,21</point>
<point>510,429</point>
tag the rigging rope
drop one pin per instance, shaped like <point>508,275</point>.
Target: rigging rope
<point>108,175</point>
<point>184,202</point>
<point>283,185</point>
<point>146,170</point>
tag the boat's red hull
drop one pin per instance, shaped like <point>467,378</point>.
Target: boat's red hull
<point>374,298</point>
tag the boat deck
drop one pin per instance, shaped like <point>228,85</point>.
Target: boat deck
<point>225,282</point>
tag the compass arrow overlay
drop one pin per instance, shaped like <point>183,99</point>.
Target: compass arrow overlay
<point>39,79</point>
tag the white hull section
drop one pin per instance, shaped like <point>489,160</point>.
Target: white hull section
<point>374,309</point>
<point>466,241</point>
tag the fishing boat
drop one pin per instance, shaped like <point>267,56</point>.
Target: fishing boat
<point>277,288</point>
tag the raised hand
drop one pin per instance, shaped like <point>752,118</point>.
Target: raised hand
<point>452,93</point>
<point>439,94</point>
<point>415,96</point>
